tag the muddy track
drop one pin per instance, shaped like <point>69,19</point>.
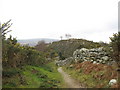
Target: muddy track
<point>70,82</point>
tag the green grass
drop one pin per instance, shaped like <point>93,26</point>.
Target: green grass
<point>45,76</point>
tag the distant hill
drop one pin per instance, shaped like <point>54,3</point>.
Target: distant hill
<point>67,47</point>
<point>33,42</point>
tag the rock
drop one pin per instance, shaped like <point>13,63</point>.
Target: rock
<point>100,61</point>
<point>71,66</point>
<point>100,49</point>
<point>48,59</point>
<point>103,62</point>
<point>112,82</point>
<point>105,58</point>
<point>94,62</point>
<point>91,61</point>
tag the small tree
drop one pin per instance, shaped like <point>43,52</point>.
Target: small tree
<point>115,43</point>
<point>61,37</point>
<point>4,28</point>
<point>4,47</point>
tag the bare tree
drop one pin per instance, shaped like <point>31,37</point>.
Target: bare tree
<point>61,37</point>
<point>67,36</point>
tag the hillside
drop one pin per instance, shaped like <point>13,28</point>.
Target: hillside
<point>67,47</point>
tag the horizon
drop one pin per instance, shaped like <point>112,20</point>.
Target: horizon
<point>57,39</point>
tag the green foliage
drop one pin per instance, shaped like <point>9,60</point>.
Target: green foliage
<point>4,28</point>
<point>45,76</point>
<point>10,72</point>
<point>115,43</point>
<point>16,55</point>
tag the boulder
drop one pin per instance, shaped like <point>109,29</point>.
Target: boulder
<point>112,82</point>
<point>71,66</point>
<point>105,58</point>
<point>94,62</point>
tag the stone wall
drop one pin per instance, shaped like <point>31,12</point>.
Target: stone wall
<point>64,62</point>
<point>95,55</point>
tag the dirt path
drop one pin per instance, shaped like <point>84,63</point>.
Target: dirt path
<point>70,82</point>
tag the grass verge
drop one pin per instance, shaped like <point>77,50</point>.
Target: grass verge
<point>92,75</point>
<point>45,76</point>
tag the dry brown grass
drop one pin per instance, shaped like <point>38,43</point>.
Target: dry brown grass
<point>98,71</point>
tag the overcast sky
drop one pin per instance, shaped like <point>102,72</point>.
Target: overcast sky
<point>95,20</point>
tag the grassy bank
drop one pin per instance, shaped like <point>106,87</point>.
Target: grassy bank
<point>45,76</point>
<point>92,75</point>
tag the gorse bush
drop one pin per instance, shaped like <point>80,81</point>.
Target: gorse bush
<point>16,55</point>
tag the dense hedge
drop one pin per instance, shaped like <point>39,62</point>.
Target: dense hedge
<point>15,55</point>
